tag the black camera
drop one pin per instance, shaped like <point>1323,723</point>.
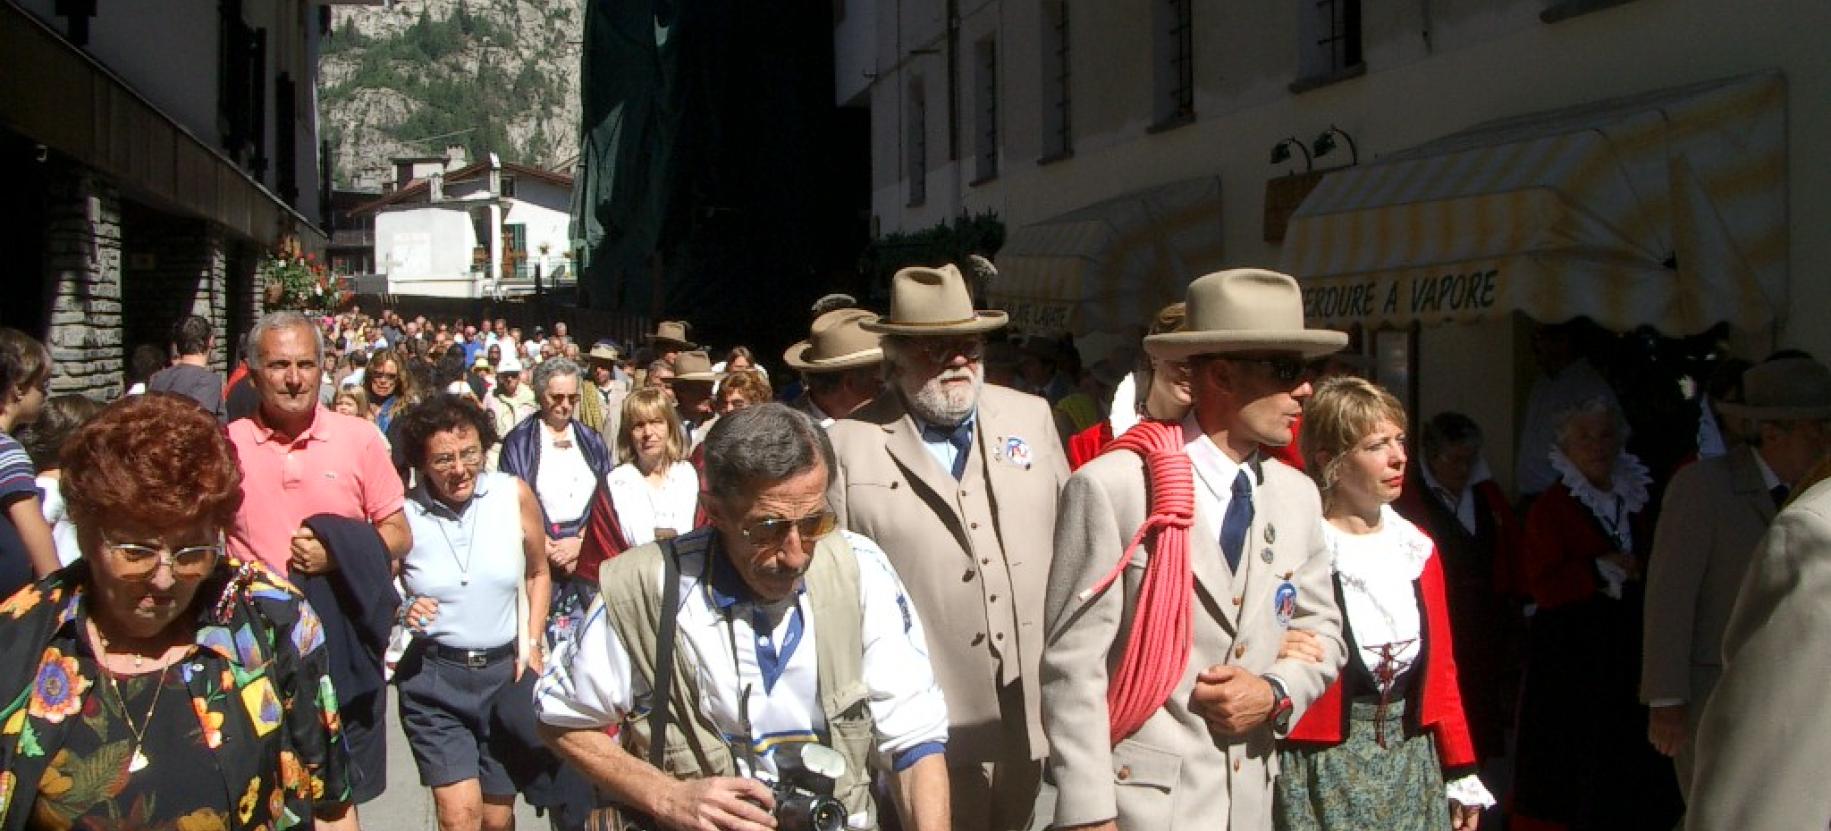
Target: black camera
<point>805,775</point>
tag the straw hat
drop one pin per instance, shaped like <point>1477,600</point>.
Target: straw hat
<point>1788,389</point>
<point>835,342</point>
<point>602,352</point>
<point>694,366</point>
<point>932,301</point>
<point>670,333</point>
<point>1244,310</point>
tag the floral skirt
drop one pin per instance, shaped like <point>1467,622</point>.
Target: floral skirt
<point>1358,784</point>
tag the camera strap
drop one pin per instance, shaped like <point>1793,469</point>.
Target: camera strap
<point>661,694</point>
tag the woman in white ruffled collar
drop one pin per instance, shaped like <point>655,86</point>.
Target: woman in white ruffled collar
<point>1388,741</point>
<point>1583,760</point>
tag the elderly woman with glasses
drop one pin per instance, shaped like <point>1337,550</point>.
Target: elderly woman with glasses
<point>563,461</point>
<point>477,601</point>
<point>158,682</point>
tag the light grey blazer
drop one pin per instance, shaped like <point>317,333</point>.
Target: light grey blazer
<point>1172,775</point>
<point>1765,736</point>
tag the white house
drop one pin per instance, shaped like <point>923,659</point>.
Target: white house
<point>487,230</point>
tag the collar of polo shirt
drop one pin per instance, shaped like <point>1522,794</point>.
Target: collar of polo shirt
<point>264,434</point>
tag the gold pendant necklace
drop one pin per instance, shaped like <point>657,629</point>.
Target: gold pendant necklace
<point>140,760</point>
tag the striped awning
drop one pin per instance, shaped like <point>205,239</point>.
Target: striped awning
<point>1666,210</point>
<point>1109,266</point>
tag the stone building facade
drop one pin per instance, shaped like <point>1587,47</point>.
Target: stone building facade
<point>142,190</point>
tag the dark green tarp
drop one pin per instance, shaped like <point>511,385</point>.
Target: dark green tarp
<point>630,119</point>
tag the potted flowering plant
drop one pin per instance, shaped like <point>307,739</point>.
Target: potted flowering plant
<point>297,281</point>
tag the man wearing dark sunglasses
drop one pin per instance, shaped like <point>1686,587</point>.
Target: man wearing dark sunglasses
<point>797,632</point>
<point>1196,712</point>
<point>957,479</point>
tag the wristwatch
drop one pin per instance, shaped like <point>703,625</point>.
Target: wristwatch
<point>1281,704</point>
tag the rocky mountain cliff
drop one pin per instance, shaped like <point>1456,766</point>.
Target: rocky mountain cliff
<point>413,78</point>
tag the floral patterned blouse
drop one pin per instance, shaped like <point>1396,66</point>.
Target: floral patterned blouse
<point>243,733</point>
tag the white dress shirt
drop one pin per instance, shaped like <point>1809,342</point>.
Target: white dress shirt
<point>1216,472</point>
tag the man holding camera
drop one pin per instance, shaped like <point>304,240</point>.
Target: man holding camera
<point>791,660</point>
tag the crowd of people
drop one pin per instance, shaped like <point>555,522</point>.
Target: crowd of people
<point>930,576</point>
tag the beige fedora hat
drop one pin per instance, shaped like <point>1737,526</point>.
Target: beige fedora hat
<point>835,342</point>
<point>602,352</point>
<point>932,301</point>
<point>1788,389</point>
<point>695,366</point>
<point>670,332</point>
<point>1244,310</point>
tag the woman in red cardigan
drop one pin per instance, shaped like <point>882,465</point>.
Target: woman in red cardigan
<point>1582,759</point>
<point>1165,396</point>
<point>1387,745</point>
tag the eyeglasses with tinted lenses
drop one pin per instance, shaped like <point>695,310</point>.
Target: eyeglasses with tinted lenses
<point>771,532</point>
<point>1288,370</point>
<point>384,376</point>
<point>942,350</point>
<point>470,457</point>
<point>136,562</point>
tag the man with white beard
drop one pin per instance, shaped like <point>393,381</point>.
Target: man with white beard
<point>958,482</point>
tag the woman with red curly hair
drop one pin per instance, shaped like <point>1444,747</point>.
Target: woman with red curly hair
<point>158,682</point>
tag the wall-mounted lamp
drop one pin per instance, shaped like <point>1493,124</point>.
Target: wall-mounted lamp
<point>1281,153</point>
<point>1325,144</point>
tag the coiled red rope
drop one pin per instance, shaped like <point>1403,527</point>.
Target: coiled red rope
<point>1157,648</point>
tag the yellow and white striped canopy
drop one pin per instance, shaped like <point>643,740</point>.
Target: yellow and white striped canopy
<point>1109,266</point>
<point>1666,210</point>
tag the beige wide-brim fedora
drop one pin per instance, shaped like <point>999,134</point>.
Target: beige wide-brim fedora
<point>1244,310</point>
<point>602,353</point>
<point>835,342</point>
<point>1788,389</point>
<point>695,366</point>
<point>932,301</point>
<point>670,333</point>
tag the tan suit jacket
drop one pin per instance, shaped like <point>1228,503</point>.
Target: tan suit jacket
<point>1172,775</point>
<point>974,554</point>
<point>1714,514</point>
<point>1766,733</point>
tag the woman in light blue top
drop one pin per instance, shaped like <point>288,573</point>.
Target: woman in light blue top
<point>477,549</point>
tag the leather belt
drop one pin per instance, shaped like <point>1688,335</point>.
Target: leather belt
<point>473,658</point>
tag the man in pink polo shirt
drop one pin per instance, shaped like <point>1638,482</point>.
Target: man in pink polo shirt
<point>301,460</point>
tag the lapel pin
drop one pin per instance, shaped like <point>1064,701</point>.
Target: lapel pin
<point>1271,534</point>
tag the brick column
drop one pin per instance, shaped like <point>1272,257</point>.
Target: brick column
<point>83,254</point>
